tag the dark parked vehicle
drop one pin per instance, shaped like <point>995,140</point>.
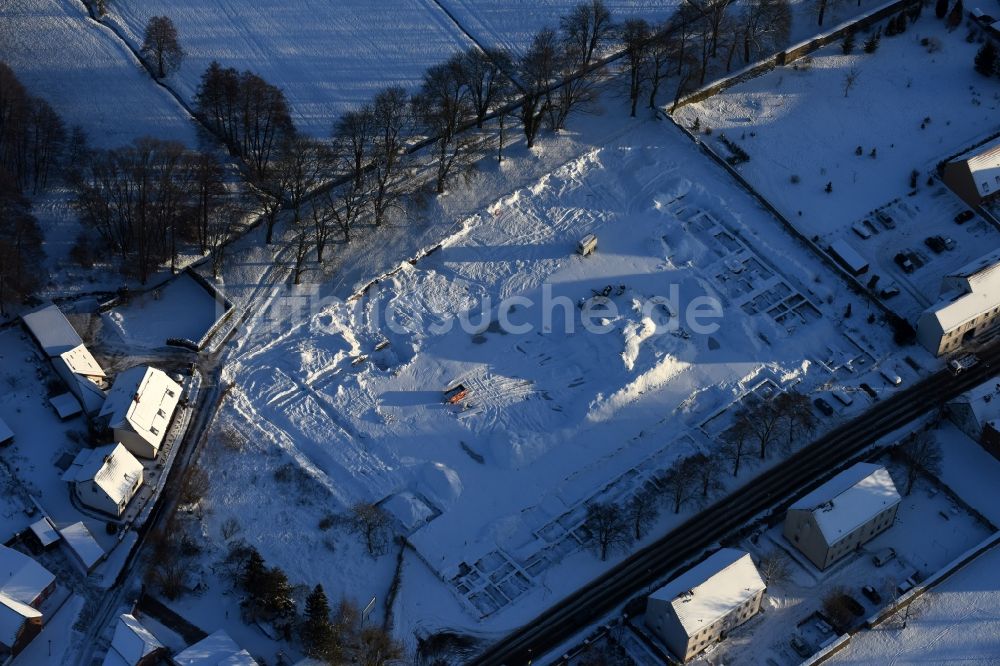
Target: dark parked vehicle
<point>869,390</point>
<point>872,594</point>
<point>851,604</point>
<point>935,243</point>
<point>886,220</point>
<point>904,262</point>
<point>800,647</point>
<point>964,217</point>
<point>823,406</point>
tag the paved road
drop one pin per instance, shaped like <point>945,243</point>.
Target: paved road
<point>802,470</point>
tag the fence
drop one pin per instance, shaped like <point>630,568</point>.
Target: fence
<point>796,51</point>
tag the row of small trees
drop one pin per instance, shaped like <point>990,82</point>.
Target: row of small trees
<point>758,427</point>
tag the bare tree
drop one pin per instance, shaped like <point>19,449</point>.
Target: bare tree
<point>162,45</point>
<point>706,472</point>
<point>196,485</point>
<point>584,30</point>
<point>921,453</point>
<point>208,189</point>
<point>301,165</point>
<point>352,141</point>
<point>762,417</point>
<point>714,13</point>
<point>607,528</point>
<point>20,247</point>
<point>441,106</point>
<point>222,225</point>
<point>391,121</point>
<point>775,567</point>
<point>797,415</point>
<point>837,608</point>
<point>680,483</point>
<point>537,72</point>
<point>484,73</point>
<point>641,510</point>
<point>736,444</point>
<point>766,26</point>
<point>303,243</point>
<point>636,37</point>
<point>850,78</point>
<point>374,525</point>
<point>657,63</point>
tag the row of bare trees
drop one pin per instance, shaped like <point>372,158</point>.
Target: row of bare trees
<point>32,136</point>
<point>758,427</point>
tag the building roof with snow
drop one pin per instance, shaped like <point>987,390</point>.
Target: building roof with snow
<point>21,577</point>
<point>849,500</point>
<point>131,643</point>
<point>983,400</point>
<point>143,399</point>
<point>52,330</point>
<point>6,434</point>
<point>711,589</point>
<point>216,650</point>
<point>79,539</point>
<point>973,290</point>
<point>112,468</point>
<point>985,169</point>
<point>45,532</point>
<point>13,615</point>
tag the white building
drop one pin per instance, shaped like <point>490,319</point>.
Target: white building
<point>218,648</point>
<point>977,414</point>
<point>975,176</point>
<point>967,310</point>
<point>139,408</point>
<point>69,356</point>
<point>703,604</point>
<point>105,478</point>
<point>132,644</point>
<point>82,546</point>
<point>24,585</point>
<point>842,514</point>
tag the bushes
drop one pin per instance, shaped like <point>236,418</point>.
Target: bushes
<point>737,154</point>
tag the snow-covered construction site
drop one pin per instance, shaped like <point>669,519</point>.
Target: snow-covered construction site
<point>695,316</point>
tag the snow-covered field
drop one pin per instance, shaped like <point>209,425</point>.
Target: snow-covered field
<point>182,309</point>
<point>87,75</point>
<point>553,418</point>
<point>913,104</point>
<point>326,56</point>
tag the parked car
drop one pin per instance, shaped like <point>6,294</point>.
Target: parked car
<point>869,390</point>
<point>964,217</point>
<point>823,406</point>
<point>861,230</point>
<point>853,605</point>
<point>872,594</point>
<point>935,243</point>
<point>886,220</point>
<point>883,557</point>
<point>842,396</point>
<point>963,362</point>
<point>871,227</point>
<point>890,375</point>
<point>889,290</point>
<point>949,243</point>
<point>905,586</point>
<point>800,647</point>
<point>904,262</point>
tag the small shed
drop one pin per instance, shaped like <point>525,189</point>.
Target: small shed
<point>82,545</point>
<point>45,532</point>
<point>845,255</point>
<point>66,406</point>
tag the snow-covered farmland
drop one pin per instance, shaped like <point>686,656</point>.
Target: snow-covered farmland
<point>326,56</point>
<point>913,104</point>
<point>552,418</point>
<point>88,76</point>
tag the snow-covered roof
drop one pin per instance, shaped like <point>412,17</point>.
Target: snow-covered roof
<point>984,400</point>
<point>65,405</point>
<point>216,650</point>
<point>22,578</point>
<point>982,278</point>
<point>142,399</point>
<point>849,500</point>
<point>45,531</point>
<point>83,544</point>
<point>13,614</point>
<point>711,589</point>
<point>130,643</point>
<point>52,330</point>
<point>848,254</point>
<point>6,434</point>
<point>985,169</point>
<point>111,467</point>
